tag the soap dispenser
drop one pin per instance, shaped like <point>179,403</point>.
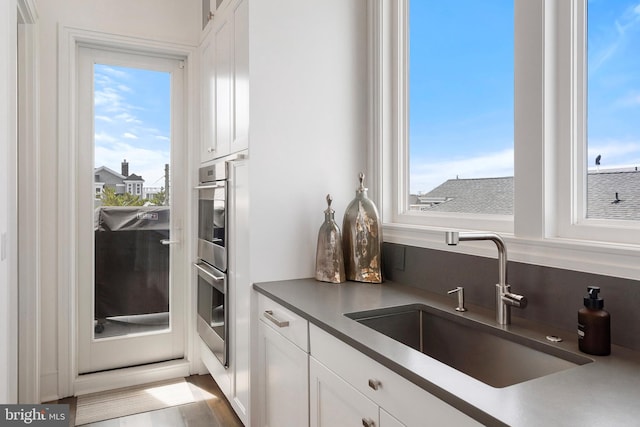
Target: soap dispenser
<point>594,325</point>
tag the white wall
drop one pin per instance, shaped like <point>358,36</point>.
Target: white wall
<point>308,115</point>
<point>164,20</point>
<point>8,205</point>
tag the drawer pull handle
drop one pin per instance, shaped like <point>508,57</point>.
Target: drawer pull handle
<point>368,422</point>
<point>279,323</point>
<point>375,384</point>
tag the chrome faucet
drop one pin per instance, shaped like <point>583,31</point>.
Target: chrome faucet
<point>504,298</point>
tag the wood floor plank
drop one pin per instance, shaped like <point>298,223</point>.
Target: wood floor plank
<point>218,403</point>
<point>199,415</point>
<point>211,409</point>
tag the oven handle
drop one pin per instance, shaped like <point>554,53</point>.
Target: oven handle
<point>215,278</point>
<point>209,186</point>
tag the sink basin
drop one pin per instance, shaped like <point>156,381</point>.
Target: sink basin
<point>491,355</point>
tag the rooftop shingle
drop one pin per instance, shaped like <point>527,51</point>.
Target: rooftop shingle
<point>495,195</point>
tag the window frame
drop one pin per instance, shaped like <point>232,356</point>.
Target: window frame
<point>548,226</point>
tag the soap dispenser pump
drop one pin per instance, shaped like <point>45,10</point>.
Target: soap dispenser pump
<point>594,325</point>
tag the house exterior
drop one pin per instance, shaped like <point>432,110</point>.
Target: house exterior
<point>104,177</point>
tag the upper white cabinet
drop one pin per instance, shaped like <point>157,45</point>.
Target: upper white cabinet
<point>207,98</point>
<point>240,119</point>
<point>224,72</point>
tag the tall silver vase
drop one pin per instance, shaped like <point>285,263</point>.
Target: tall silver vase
<point>329,258</point>
<point>362,238</point>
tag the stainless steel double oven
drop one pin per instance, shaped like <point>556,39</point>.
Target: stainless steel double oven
<point>213,295</point>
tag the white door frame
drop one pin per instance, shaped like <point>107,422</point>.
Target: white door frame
<point>69,382</point>
<point>28,205</point>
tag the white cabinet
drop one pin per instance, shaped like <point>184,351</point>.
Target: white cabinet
<point>207,98</point>
<point>224,59</point>
<point>400,401</point>
<point>387,420</point>
<point>239,139</point>
<point>222,33</point>
<point>333,402</point>
<point>239,290</point>
<point>283,367</point>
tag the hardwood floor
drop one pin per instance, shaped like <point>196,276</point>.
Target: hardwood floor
<point>211,409</point>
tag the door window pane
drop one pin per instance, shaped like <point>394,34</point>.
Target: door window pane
<point>132,149</point>
<point>461,106</point>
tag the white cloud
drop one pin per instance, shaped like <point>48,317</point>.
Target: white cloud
<point>114,72</point>
<point>108,99</point>
<point>104,118</point>
<point>427,175</point>
<point>127,117</point>
<point>129,135</point>
<point>103,137</point>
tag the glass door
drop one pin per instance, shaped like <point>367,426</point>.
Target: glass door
<point>130,302</point>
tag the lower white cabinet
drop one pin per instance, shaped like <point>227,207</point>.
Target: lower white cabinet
<point>308,377</point>
<point>387,420</point>
<point>334,402</point>
<point>283,367</point>
<point>401,403</point>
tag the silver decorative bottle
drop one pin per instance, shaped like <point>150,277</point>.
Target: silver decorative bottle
<point>362,238</point>
<point>329,258</point>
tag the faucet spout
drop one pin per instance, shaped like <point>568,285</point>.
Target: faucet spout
<point>504,297</point>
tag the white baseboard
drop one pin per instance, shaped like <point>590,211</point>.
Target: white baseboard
<point>109,380</point>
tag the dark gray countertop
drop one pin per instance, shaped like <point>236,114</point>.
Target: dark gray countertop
<point>605,392</point>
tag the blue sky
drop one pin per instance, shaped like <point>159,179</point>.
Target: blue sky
<point>461,104</point>
<point>132,120</point>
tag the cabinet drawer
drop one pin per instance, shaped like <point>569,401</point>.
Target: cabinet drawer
<point>286,322</point>
<point>410,404</point>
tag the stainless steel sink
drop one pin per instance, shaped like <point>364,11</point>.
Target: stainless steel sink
<point>491,355</point>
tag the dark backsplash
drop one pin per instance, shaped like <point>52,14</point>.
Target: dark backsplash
<point>554,294</point>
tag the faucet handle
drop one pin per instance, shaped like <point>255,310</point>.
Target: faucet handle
<point>460,291</point>
<point>514,300</point>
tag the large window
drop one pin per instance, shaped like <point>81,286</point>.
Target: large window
<point>564,143</point>
<point>461,106</point>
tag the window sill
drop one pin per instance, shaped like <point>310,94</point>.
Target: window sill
<point>618,260</point>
